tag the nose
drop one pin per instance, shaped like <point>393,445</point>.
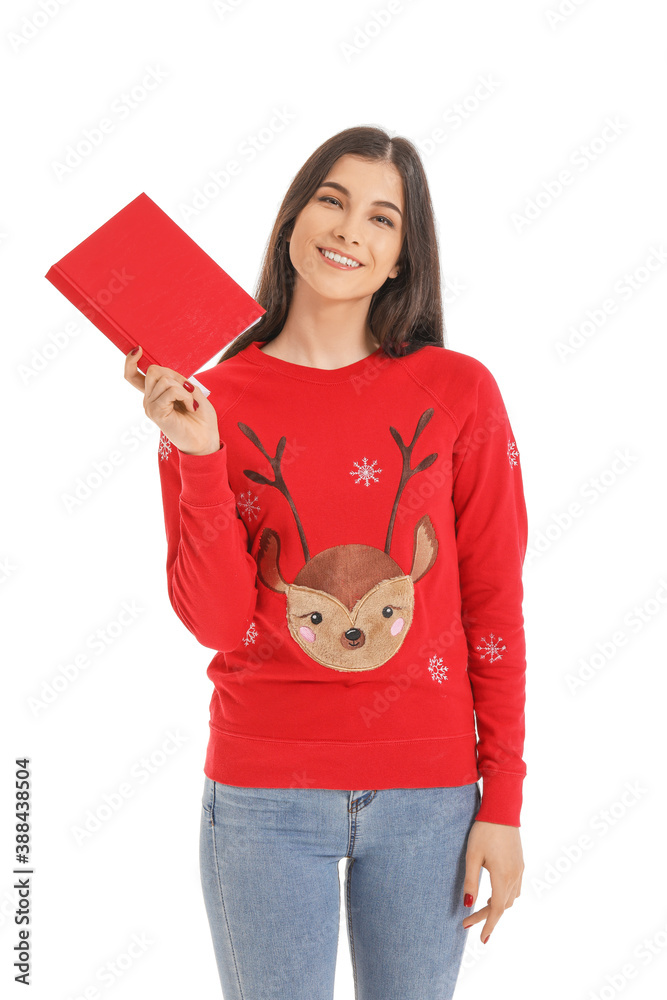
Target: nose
<point>353,638</point>
<point>348,231</point>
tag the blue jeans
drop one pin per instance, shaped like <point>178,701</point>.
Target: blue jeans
<point>269,874</point>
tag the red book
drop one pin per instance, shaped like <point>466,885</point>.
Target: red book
<point>141,280</point>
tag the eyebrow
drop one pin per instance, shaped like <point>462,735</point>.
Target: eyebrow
<point>343,190</point>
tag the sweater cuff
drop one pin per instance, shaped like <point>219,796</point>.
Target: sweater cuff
<point>204,479</point>
<point>502,797</point>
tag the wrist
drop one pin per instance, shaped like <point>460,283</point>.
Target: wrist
<point>209,451</point>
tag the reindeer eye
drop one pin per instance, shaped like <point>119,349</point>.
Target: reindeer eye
<point>387,611</point>
<point>316,618</point>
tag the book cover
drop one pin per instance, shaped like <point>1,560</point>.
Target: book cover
<point>140,279</point>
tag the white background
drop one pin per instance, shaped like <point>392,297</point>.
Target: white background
<point>590,922</point>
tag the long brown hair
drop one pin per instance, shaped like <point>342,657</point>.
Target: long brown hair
<point>405,313</point>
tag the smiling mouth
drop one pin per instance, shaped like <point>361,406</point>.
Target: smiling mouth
<point>336,263</point>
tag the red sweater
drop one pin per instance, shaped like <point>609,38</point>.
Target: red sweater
<point>353,553</point>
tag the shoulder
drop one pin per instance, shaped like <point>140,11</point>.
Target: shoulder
<point>446,362</point>
<point>458,380</point>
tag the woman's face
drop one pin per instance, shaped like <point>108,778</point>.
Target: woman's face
<point>345,216</point>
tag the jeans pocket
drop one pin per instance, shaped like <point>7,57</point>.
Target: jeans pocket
<point>208,797</point>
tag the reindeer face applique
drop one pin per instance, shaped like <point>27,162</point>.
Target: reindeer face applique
<point>350,607</point>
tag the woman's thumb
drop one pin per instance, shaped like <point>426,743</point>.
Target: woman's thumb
<point>471,884</point>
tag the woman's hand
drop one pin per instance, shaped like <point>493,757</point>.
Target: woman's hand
<point>497,848</point>
<point>184,415</point>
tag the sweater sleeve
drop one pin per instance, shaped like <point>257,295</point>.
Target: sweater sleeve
<point>491,539</point>
<point>211,575</point>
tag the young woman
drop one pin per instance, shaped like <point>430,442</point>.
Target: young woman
<point>346,529</point>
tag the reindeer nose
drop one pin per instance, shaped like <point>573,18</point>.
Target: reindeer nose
<point>353,634</point>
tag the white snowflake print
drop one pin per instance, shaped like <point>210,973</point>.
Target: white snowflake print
<point>436,669</point>
<point>251,634</point>
<point>164,447</point>
<point>247,504</point>
<point>365,472</point>
<point>491,647</point>
<point>512,453</point>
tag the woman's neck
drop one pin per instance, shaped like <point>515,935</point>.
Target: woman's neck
<point>318,351</point>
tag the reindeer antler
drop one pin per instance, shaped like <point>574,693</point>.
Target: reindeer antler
<point>407,472</point>
<point>278,482</point>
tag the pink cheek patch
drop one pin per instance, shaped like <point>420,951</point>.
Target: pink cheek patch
<point>397,626</point>
<point>307,634</point>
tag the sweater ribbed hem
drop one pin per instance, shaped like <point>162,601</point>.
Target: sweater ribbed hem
<point>254,762</point>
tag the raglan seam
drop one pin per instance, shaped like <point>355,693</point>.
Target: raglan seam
<point>252,378</point>
<point>429,391</point>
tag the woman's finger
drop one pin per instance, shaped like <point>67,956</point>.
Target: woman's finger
<point>159,377</point>
<point>501,891</point>
<point>476,917</point>
<point>156,381</point>
<point>132,373</point>
<point>165,392</point>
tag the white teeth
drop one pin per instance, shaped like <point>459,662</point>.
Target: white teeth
<point>339,259</point>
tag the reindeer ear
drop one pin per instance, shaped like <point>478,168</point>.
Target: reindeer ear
<point>425,548</point>
<point>268,562</point>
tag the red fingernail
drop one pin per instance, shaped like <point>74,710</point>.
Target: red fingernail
<point>134,351</point>
<point>195,404</point>
<point>487,938</point>
<point>188,386</point>
<point>467,899</point>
